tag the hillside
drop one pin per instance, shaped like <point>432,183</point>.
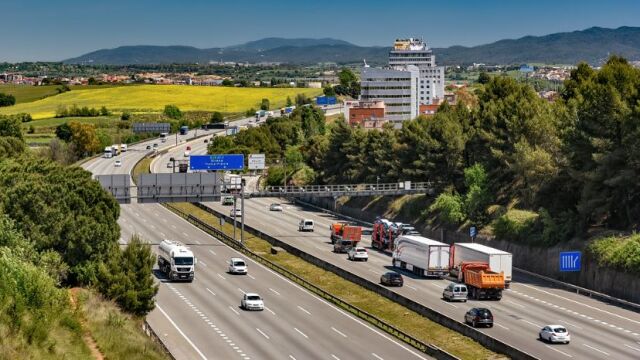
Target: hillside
<point>592,45</point>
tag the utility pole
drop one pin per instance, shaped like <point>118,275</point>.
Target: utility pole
<point>284,163</point>
<point>242,210</point>
<point>234,218</point>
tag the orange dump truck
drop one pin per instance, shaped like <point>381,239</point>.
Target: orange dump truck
<point>481,281</point>
<point>345,231</point>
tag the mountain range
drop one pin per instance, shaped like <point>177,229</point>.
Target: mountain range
<point>592,45</point>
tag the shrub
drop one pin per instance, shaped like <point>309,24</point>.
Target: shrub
<point>622,253</point>
<point>7,100</point>
<point>515,225</point>
<point>172,112</point>
<point>449,208</point>
<point>126,115</point>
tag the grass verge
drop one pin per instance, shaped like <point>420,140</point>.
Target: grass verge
<point>402,318</point>
<point>118,335</point>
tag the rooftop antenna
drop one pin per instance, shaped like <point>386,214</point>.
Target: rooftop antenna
<point>365,63</point>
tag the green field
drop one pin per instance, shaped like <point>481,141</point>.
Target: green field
<point>26,93</point>
<point>153,98</point>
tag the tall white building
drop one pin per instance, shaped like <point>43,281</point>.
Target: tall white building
<point>397,87</point>
<point>415,52</point>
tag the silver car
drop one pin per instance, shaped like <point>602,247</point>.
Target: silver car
<point>455,292</point>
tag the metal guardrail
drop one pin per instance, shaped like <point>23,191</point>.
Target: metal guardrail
<point>428,349</point>
<point>399,188</point>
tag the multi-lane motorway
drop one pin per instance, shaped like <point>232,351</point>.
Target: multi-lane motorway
<point>599,330</point>
<point>202,320</point>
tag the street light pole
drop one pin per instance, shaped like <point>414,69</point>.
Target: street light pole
<point>284,159</point>
<point>234,218</point>
<point>242,210</point>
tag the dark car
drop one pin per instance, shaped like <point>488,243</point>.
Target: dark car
<point>148,147</point>
<point>479,316</point>
<point>391,279</point>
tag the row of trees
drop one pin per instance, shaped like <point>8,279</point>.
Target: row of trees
<point>572,163</point>
<point>76,111</point>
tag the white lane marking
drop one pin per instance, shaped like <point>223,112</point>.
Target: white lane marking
<point>561,352</point>
<point>301,333</point>
<point>173,226</point>
<point>251,276</point>
<point>202,263</point>
<point>234,310</point>
<point>242,291</point>
<point>275,292</point>
<point>412,288</point>
<point>222,277</point>
<point>185,234</point>
<point>303,309</point>
<point>450,304</point>
<point>263,334</point>
<point>632,347</point>
<point>570,324</point>
<point>156,214</point>
<point>335,357</point>
<point>163,235</point>
<point>502,326</point>
<point>338,331</point>
<point>596,349</point>
<point>534,324</point>
<point>292,358</point>
<point>377,356</point>
<point>213,252</point>
<point>515,303</point>
<point>373,271</point>
<point>152,226</point>
<point>181,333</point>
<point>269,310</point>
<point>583,304</point>
<point>436,285</point>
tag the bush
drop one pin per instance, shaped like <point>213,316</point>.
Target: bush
<point>622,253</point>
<point>172,112</point>
<point>126,115</point>
<point>449,208</point>
<point>7,100</point>
<point>217,117</point>
<point>515,225</point>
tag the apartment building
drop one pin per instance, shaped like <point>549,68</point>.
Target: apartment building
<point>397,88</point>
<point>415,52</point>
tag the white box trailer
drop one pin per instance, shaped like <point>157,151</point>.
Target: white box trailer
<point>423,256</point>
<point>498,260</point>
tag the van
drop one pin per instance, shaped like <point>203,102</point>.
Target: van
<point>305,225</point>
<point>455,292</point>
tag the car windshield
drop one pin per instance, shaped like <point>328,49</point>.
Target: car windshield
<point>239,263</point>
<point>559,330</point>
<point>361,250</point>
<point>253,297</point>
<point>275,205</point>
<point>308,223</point>
<point>183,260</point>
<point>393,275</point>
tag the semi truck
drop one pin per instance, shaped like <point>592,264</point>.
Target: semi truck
<point>123,147</point>
<point>115,150</point>
<point>385,232</point>
<point>107,152</point>
<point>481,281</point>
<point>497,260</point>
<point>176,260</point>
<point>422,256</point>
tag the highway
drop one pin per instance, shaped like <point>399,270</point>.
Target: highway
<point>598,330</point>
<point>202,320</point>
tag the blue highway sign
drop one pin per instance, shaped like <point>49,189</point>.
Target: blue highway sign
<point>216,162</point>
<point>570,260</point>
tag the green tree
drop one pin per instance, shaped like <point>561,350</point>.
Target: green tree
<point>128,278</point>
<point>104,111</point>
<point>289,102</point>
<point>63,132</point>
<point>11,146</point>
<point>10,126</point>
<point>483,78</point>
<point>347,77</point>
<point>227,82</point>
<point>264,104</point>
<point>328,90</point>
<point>7,100</point>
<point>84,138</point>
<point>92,81</point>
<point>217,117</point>
<point>126,115</point>
<point>478,196</point>
<point>172,112</point>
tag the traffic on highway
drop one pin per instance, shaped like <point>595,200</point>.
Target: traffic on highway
<point>202,309</point>
<point>528,310</point>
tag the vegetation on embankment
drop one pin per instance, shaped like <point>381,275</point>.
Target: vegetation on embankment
<point>619,252</point>
<point>58,229</point>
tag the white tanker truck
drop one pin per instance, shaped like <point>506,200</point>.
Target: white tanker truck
<point>176,260</point>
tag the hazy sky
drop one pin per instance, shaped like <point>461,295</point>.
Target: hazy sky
<point>60,29</point>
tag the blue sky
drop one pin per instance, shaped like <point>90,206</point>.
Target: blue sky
<point>60,29</point>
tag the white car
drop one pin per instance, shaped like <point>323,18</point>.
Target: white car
<point>555,334</point>
<point>237,266</point>
<point>187,153</point>
<point>275,207</point>
<point>118,163</point>
<point>305,225</point>
<point>252,301</point>
<point>235,213</point>
<point>358,253</point>
<point>169,165</point>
